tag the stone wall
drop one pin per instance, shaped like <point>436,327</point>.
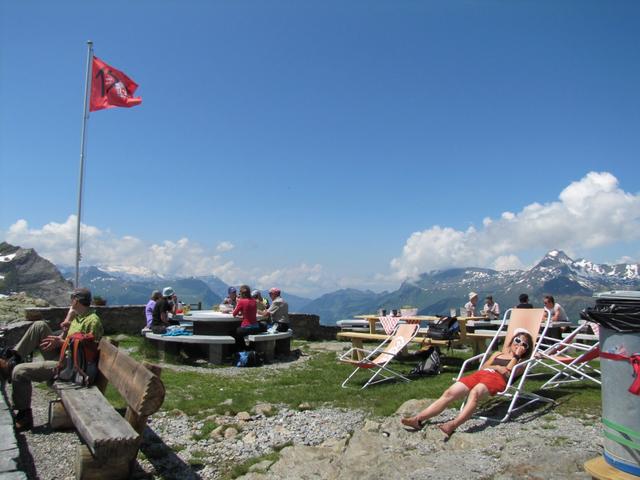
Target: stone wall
<point>129,319</point>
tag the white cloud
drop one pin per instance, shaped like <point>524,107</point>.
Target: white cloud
<point>56,242</point>
<point>225,246</point>
<point>507,262</point>
<point>591,212</point>
<point>303,279</point>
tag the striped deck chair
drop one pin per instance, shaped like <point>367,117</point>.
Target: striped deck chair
<point>377,360</point>
<point>572,368</point>
<point>536,321</point>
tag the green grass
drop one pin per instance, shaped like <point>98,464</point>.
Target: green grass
<point>317,382</point>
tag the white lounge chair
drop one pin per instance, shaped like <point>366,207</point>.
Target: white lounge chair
<point>568,368</point>
<point>377,360</point>
<point>536,321</point>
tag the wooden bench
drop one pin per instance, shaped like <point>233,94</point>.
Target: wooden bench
<point>272,344</point>
<point>218,345</point>
<point>111,442</point>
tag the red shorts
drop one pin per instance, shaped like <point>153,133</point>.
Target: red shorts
<point>492,380</point>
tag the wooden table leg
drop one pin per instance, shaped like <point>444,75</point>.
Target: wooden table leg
<point>357,354</point>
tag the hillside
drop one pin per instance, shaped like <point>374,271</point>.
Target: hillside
<point>23,270</point>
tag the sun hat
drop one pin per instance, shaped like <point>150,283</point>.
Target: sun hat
<point>520,330</point>
<point>167,292</point>
<point>472,294</point>
<point>275,291</point>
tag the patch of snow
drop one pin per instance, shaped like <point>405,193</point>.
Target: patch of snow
<point>631,271</point>
<point>1,277</point>
<point>7,258</point>
<point>553,253</point>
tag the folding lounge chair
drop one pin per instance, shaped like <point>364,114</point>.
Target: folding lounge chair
<point>377,360</point>
<point>530,319</point>
<point>567,368</point>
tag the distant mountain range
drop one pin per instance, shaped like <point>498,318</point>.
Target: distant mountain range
<point>126,288</point>
<point>571,282</point>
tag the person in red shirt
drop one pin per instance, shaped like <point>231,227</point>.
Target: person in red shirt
<point>248,308</point>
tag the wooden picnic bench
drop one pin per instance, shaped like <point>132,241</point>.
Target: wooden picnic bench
<point>111,442</point>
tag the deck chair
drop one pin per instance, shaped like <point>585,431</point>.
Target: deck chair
<point>572,368</point>
<point>377,360</point>
<point>530,319</point>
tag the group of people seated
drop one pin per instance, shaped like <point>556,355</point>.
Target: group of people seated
<point>249,305</point>
<point>491,309</point>
<point>274,316</point>
<point>160,309</point>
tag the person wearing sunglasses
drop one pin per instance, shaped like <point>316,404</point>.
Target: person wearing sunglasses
<point>490,379</point>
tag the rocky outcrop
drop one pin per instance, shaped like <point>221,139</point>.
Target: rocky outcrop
<point>550,447</point>
<point>23,270</point>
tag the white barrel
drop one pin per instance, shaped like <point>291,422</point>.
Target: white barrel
<point>620,408</point>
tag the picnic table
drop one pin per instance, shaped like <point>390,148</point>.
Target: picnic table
<point>210,322</point>
<point>430,319</point>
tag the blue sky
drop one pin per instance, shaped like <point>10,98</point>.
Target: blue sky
<point>321,145</point>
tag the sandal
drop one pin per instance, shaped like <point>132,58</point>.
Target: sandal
<point>413,422</point>
<point>447,428</point>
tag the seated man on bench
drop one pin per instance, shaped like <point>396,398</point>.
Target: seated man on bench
<point>278,312</point>
<point>80,319</point>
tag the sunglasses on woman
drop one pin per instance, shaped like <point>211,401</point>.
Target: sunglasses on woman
<point>519,341</point>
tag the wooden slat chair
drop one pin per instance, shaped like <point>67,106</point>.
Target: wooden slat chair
<point>377,360</point>
<point>111,442</point>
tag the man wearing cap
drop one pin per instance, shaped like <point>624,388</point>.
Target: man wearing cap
<point>164,306</point>
<point>80,319</point>
<point>230,301</point>
<point>491,309</point>
<point>470,306</point>
<point>278,312</point>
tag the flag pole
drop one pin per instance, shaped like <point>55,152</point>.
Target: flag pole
<point>85,116</point>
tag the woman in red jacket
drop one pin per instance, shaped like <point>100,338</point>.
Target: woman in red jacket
<point>248,308</point>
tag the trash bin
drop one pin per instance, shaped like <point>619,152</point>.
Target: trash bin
<point>618,314</point>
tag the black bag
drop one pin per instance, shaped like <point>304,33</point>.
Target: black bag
<point>447,328</point>
<point>248,358</point>
<point>430,365</point>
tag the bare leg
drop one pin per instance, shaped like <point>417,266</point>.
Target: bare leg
<point>455,392</point>
<point>476,394</point>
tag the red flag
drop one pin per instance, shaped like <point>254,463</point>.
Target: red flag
<point>111,88</point>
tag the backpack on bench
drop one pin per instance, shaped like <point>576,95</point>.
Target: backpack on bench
<point>447,328</point>
<point>78,360</point>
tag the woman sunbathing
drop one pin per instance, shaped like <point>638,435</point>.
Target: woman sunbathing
<point>490,379</point>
